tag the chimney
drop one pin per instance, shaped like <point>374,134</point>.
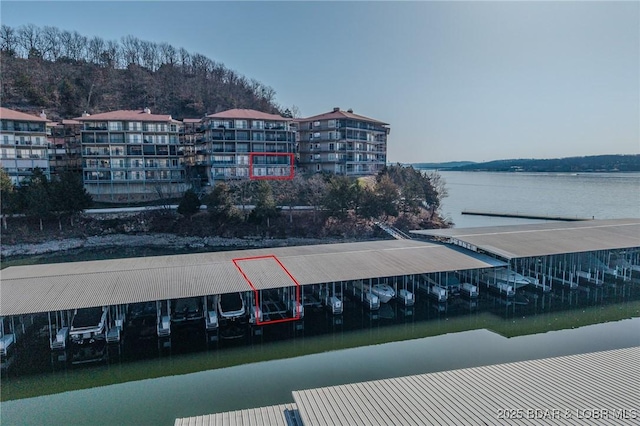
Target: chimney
<point>350,111</point>
<point>43,115</point>
<point>147,110</point>
<point>85,114</point>
<point>336,109</point>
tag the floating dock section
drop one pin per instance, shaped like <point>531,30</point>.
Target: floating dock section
<point>594,388</point>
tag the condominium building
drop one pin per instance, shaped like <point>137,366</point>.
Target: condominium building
<point>132,155</point>
<point>64,146</point>
<point>23,144</point>
<point>342,142</point>
<point>235,138</point>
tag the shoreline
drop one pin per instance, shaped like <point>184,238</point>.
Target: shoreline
<point>167,241</point>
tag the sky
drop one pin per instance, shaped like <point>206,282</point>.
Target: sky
<point>473,81</point>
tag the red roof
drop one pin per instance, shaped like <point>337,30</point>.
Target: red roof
<point>246,114</point>
<point>9,114</point>
<point>126,115</point>
<point>338,114</point>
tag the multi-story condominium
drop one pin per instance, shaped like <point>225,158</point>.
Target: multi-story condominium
<point>235,138</point>
<point>23,144</point>
<point>64,146</point>
<point>132,155</point>
<point>342,142</point>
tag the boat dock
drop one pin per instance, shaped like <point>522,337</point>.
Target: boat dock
<point>155,296</point>
<point>525,216</point>
<point>552,391</point>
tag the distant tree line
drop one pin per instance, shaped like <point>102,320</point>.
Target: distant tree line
<point>45,67</point>
<point>594,163</point>
<point>37,197</point>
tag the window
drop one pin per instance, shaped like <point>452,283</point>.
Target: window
<point>331,123</point>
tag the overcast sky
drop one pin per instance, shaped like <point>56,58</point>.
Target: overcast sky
<point>455,80</point>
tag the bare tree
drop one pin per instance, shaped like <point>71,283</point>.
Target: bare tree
<point>149,54</point>
<point>65,43</point>
<point>30,40</point>
<point>168,54</point>
<point>8,39</point>
<point>51,43</point>
<point>131,50</point>
<point>95,50</point>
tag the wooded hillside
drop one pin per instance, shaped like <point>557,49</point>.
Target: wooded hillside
<point>65,74</point>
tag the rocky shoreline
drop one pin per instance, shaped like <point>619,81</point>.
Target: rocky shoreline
<point>169,241</point>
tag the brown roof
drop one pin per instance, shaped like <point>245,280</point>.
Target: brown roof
<point>246,114</point>
<point>9,114</point>
<point>191,120</point>
<point>126,115</point>
<point>337,113</point>
<point>70,122</point>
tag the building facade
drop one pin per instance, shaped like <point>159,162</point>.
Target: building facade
<point>64,146</point>
<point>132,156</point>
<point>235,138</point>
<point>343,143</point>
<point>23,145</point>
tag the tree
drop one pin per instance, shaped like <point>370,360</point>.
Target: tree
<point>7,196</point>
<point>68,196</point>
<point>37,195</point>
<point>220,204</point>
<point>265,207</point>
<point>189,204</point>
<point>339,196</point>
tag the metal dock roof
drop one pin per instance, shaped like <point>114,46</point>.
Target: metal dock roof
<point>549,238</point>
<point>564,390</point>
<point>276,415</point>
<point>53,287</point>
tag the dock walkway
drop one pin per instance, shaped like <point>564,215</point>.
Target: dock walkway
<point>595,388</point>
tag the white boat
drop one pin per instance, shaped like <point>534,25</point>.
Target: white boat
<point>505,276</point>
<point>384,291</point>
<point>88,325</point>
<point>231,306</point>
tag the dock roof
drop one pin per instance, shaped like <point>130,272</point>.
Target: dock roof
<point>53,287</point>
<point>598,388</point>
<point>275,415</point>
<point>542,239</point>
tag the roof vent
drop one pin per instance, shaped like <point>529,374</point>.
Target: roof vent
<point>350,111</point>
<point>336,109</point>
<point>85,114</point>
<point>147,110</point>
<point>43,115</point>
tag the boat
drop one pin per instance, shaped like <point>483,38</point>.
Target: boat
<point>142,319</point>
<point>187,310</point>
<point>231,307</point>
<point>88,325</point>
<point>506,276</point>
<point>384,291</point>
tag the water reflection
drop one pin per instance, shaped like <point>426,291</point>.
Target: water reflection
<point>35,371</point>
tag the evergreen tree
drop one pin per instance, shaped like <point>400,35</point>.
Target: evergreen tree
<point>189,204</point>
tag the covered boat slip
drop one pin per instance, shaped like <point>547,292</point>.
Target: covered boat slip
<point>594,388</point>
<point>544,239</point>
<point>59,287</point>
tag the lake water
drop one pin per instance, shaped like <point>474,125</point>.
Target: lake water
<point>585,195</point>
<point>147,385</point>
